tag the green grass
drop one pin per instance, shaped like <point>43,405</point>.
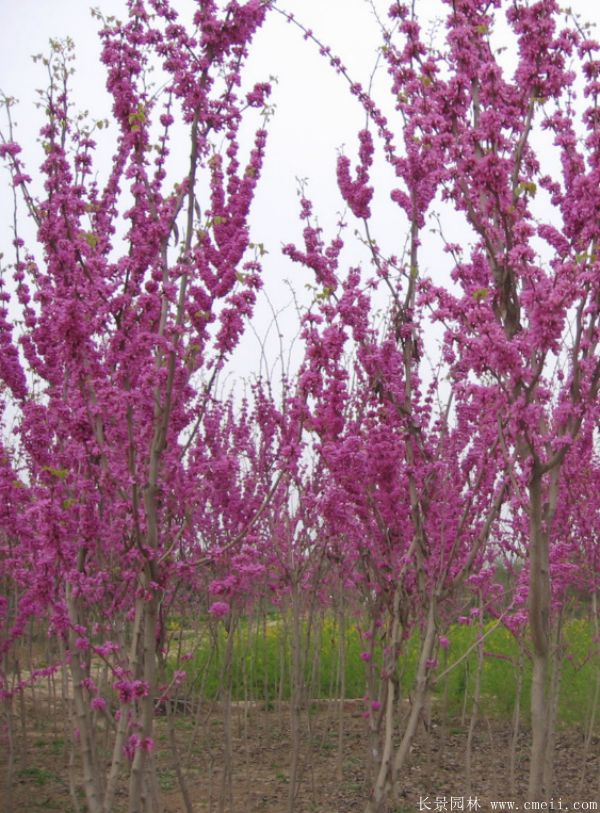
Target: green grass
<point>261,666</point>
<point>37,776</point>
<point>54,746</point>
<point>499,673</point>
<point>167,780</point>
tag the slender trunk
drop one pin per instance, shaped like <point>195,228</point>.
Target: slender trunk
<point>73,782</point>
<point>266,690</point>
<point>248,672</point>
<point>121,733</point>
<point>313,640</point>
<point>68,729</point>
<point>553,699</point>
<point>227,777</point>
<point>313,657</point>
<point>539,706</point>
<point>465,697</point>
<point>445,703</point>
<point>373,685</point>
<point>140,759</point>
<point>387,786</point>
<point>519,668</point>
<point>10,756</point>
<point>199,710</point>
<point>283,669</point>
<point>539,618</point>
<point>383,780</point>
<point>91,771</point>
<point>295,699</point>
<point>24,749</point>
<point>342,686</point>
<point>475,707</point>
<point>420,697</point>
<point>35,706</point>
<point>177,761</point>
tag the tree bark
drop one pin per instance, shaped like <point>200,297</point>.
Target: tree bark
<point>539,619</point>
<point>139,765</point>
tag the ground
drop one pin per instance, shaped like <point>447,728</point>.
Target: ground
<point>260,759</point>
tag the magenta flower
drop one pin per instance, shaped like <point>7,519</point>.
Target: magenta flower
<point>99,703</point>
<point>219,609</point>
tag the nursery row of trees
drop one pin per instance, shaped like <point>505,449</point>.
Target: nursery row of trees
<point>393,469</point>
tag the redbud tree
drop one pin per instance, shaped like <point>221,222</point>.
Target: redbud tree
<point>125,476</point>
<point>116,319</point>
<point>509,145</point>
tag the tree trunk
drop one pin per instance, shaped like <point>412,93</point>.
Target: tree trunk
<point>387,784</point>
<point>539,619</point>
<point>341,686</point>
<point>121,731</point>
<point>295,699</point>
<point>553,700</point>
<point>91,773</point>
<point>383,779</point>
<point>140,759</point>
<point>476,704</point>
<point>519,669</point>
<point>420,696</point>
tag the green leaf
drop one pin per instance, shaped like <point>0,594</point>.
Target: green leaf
<point>527,187</point>
<point>480,294</point>
<point>324,294</point>
<point>61,474</point>
<point>90,238</point>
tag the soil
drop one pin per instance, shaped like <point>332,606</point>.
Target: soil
<point>436,773</point>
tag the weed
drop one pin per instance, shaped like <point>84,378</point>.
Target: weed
<point>167,780</point>
<point>37,776</point>
<point>261,662</point>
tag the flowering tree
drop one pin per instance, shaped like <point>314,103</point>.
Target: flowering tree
<point>130,302</point>
<point>125,476</point>
<point>527,299</point>
<point>522,301</point>
<point>410,500</point>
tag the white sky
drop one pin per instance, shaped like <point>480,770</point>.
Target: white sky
<point>315,114</point>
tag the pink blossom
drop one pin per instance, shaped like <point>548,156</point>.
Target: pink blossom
<point>9,148</point>
<point>219,609</point>
<point>99,703</point>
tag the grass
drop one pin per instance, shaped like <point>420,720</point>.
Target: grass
<point>54,746</point>
<point>167,780</point>
<point>37,776</point>
<point>261,666</point>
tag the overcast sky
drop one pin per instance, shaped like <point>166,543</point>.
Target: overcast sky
<point>315,114</point>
